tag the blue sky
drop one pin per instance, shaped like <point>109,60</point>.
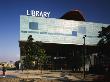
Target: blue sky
<point>10,11</point>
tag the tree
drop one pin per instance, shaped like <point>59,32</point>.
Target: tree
<point>41,57</point>
<point>104,43</point>
<point>30,53</point>
<point>34,52</point>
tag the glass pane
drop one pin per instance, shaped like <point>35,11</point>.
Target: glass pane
<point>33,25</point>
<point>74,33</point>
<point>82,30</point>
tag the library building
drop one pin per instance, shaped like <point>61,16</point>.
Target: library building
<point>65,40</point>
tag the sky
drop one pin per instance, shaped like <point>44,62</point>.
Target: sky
<point>10,11</point>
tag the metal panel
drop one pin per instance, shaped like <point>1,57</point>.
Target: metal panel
<point>51,30</point>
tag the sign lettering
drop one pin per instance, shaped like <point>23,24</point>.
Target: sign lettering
<point>38,13</point>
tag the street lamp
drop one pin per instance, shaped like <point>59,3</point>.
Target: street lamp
<point>84,57</point>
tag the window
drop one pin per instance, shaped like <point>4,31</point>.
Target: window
<point>33,25</point>
<point>82,30</point>
<point>74,33</point>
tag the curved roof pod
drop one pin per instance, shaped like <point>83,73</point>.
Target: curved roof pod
<point>73,15</point>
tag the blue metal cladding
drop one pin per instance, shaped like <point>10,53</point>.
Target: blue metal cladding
<point>74,33</point>
<point>82,30</point>
<point>33,25</point>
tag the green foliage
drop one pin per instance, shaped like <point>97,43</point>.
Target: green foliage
<point>104,44</point>
<point>33,50</point>
<point>104,35</point>
<point>41,56</point>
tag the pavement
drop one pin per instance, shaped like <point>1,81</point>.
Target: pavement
<point>62,76</point>
<point>36,74</point>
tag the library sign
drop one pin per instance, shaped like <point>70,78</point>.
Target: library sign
<point>38,13</point>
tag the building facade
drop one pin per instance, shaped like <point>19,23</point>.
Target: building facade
<point>62,39</point>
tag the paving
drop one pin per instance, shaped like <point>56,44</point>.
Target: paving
<point>45,76</point>
<point>36,74</point>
